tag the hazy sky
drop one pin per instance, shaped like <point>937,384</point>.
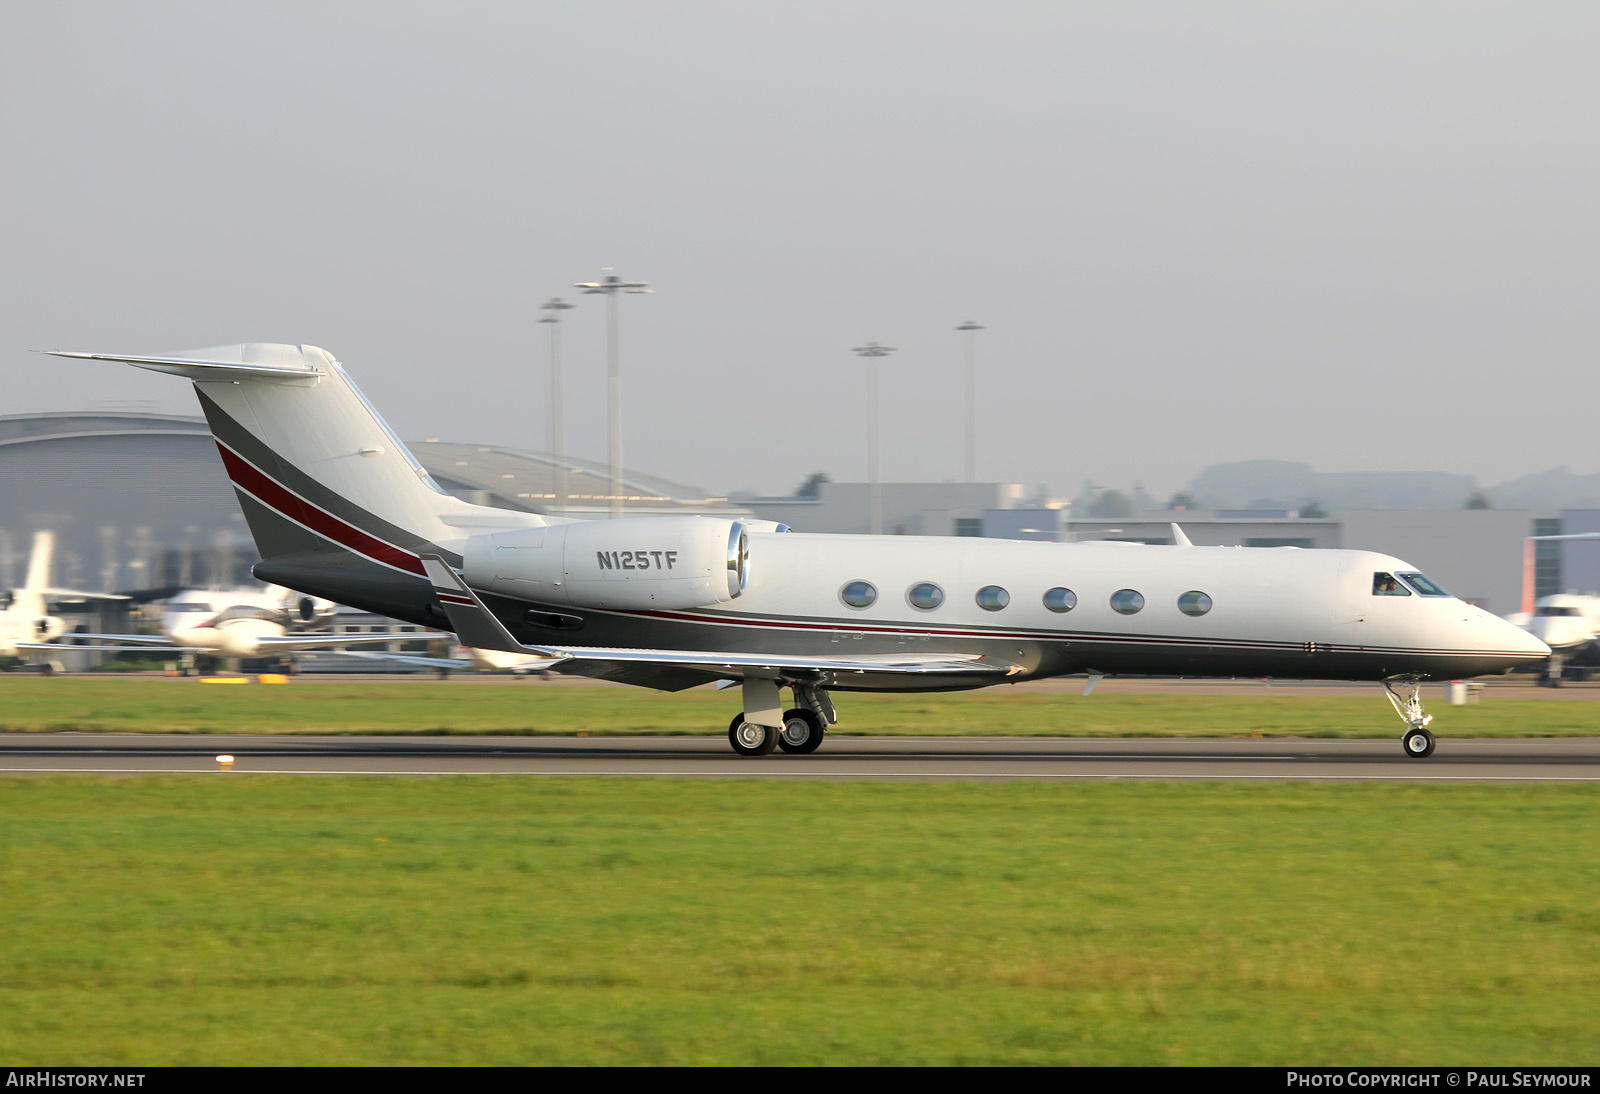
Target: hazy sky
<point>1361,235</point>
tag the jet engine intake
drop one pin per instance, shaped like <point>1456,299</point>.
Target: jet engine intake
<point>635,562</point>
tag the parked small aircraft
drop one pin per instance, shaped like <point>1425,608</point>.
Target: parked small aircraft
<point>25,622</point>
<point>1570,625</point>
<point>339,508</point>
<point>1566,622</point>
<point>246,622</point>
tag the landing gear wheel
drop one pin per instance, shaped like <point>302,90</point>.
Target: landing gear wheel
<point>749,739</point>
<point>1418,743</point>
<point>802,731</point>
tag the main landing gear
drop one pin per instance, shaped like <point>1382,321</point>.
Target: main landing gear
<point>802,727</point>
<point>1418,742</point>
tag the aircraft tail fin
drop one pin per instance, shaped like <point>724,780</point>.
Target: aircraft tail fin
<point>38,580</point>
<point>328,489</point>
<point>29,600</point>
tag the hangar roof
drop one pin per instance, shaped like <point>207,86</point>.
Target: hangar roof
<point>509,478</point>
<point>522,479</point>
<point>16,428</point>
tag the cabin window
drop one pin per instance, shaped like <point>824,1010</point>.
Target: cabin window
<point>991,598</point>
<point>858,594</point>
<point>1061,600</point>
<point>1422,585</point>
<point>1385,585</point>
<point>925,596</point>
<point>1127,601</point>
<point>1194,602</point>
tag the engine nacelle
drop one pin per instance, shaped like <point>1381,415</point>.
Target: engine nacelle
<point>636,562</point>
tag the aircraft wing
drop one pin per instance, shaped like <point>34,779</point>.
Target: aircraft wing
<point>79,594</point>
<point>328,641</point>
<point>60,646</point>
<point>134,641</point>
<point>266,645</point>
<point>453,664</point>
<point>477,626</point>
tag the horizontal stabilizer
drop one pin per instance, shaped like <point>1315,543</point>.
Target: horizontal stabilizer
<point>252,360</point>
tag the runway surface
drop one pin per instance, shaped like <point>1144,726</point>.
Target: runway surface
<point>1523,759</point>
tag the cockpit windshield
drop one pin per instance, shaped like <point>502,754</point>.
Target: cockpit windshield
<point>1385,585</point>
<point>1551,609</point>
<point>1422,585</point>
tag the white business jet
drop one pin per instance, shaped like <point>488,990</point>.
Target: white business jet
<point>339,508</point>
<point>246,622</point>
<point>1570,625</point>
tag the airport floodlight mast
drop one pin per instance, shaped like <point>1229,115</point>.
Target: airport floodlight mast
<point>972,398</point>
<point>611,285</point>
<point>557,438</point>
<point>872,351</point>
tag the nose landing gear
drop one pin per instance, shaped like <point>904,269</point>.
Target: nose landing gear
<point>1418,743</point>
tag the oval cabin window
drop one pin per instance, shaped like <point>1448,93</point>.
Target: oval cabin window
<point>991,598</point>
<point>1127,601</point>
<point>1061,600</point>
<point>858,594</point>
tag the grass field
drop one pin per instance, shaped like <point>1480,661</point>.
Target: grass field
<point>31,704</point>
<point>250,920</point>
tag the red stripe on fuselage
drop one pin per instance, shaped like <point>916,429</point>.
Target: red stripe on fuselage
<point>254,482</point>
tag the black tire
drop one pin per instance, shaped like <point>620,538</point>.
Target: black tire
<point>1418,743</point>
<point>742,735</point>
<point>802,731</point>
